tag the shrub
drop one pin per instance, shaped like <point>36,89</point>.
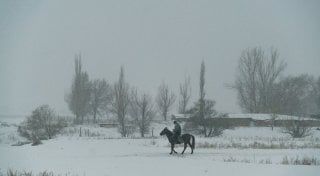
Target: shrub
<point>46,173</point>
<point>214,126</point>
<point>11,172</point>
<point>41,124</point>
<point>25,173</point>
<point>126,130</point>
<point>230,159</point>
<point>303,161</point>
<point>297,129</point>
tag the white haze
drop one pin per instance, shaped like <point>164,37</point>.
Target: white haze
<point>154,40</point>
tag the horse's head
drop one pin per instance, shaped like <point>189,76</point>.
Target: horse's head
<point>164,131</point>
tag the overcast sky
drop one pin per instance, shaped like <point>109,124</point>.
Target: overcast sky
<point>155,41</point>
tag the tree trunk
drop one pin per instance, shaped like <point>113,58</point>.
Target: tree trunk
<point>94,116</point>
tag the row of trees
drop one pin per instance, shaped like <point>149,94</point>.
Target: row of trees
<point>260,85</point>
<point>93,98</point>
<point>262,88</point>
<point>98,97</point>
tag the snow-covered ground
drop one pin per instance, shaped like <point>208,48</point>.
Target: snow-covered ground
<point>102,152</point>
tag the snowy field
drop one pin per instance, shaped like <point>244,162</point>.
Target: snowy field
<point>101,151</point>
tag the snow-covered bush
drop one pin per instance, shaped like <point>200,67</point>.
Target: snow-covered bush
<point>42,124</point>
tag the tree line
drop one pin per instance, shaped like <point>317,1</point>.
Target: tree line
<point>92,98</point>
<point>259,83</point>
<point>262,88</point>
<point>98,97</point>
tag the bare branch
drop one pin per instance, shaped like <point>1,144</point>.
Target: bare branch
<point>185,95</point>
<point>165,100</point>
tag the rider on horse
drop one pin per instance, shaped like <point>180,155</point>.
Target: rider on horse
<point>177,132</point>
<point>174,138</point>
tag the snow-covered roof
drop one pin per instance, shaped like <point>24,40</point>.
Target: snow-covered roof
<point>254,116</point>
<point>267,117</point>
<point>181,115</point>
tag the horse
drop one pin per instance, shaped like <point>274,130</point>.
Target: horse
<point>185,137</point>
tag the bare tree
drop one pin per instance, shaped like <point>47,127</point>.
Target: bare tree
<point>101,95</point>
<point>165,100</point>
<point>141,109</point>
<point>257,74</point>
<point>269,71</point>
<point>293,95</point>
<point>297,129</point>
<point>276,98</point>
<point>185,94</point>
<point>120,103</point>
<point>79,98</point>
<point>274,117</point>
<point>202,105</point>
<point>203,115</point>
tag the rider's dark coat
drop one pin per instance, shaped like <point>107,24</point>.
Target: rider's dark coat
<point>177,129</point>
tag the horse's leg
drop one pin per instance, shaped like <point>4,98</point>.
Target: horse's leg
<point>171,149</point>
<point>185,146</point>
<point>190,147</point>
<point>174,150</point>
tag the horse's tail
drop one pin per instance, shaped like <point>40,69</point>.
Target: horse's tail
<point>193,142</point>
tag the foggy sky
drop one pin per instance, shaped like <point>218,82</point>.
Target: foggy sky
<point>154,40</point>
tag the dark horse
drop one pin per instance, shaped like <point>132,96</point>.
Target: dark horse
<point>185,137</point>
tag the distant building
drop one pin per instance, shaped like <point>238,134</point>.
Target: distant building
<point>263,120</point>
